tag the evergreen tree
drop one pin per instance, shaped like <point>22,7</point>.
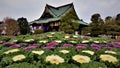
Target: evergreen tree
<point>97,25</point>
<point>112,26</point>
<point>68,25</point>
<point>24,26</point>
<point>118,19</point>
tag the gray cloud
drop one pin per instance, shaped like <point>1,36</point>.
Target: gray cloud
<point>32,9</point>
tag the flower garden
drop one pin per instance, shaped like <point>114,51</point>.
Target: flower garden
<point>58,50</point>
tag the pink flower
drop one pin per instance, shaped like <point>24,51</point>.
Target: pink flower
<point>15,46</point>
<point>36,45</point>
<point>117,46</point>
<point>52,44</point>
<point>67,45</point>
<point>1,42</point>
<point>48,47</point>
<point>8,43</point>
<point>95,46</point>
<point>80,47</point>
<point>30,47</point>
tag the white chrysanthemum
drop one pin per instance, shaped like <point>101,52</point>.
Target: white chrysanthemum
<point>52,32</point>
<point>28,40</point>
<point>111,52</point>
<point>38,52</point>
<point>58,41</point>
<point>81,59</point>
<point>73,41</point>
<point>96,41</point>
<point>64,51</point>
<point>49,36</point>
<point>75,36</point>
<point>67,37</point>
<point>109,58</point>
<point>54,59</point>
<point>85,41</point>
<point>105,41</point>
<point>88,51</point>
<point>11,51</point>
<point>43,41</point>
<point>14,40</point>
<point>18,57</point>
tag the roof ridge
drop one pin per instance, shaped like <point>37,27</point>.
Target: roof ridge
<point>59,6</point>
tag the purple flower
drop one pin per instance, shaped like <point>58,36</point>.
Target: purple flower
<point>115,43</point>
<point>29,47</point>
<point>80,47</point>
<point>109,45</point>
<point>48,47</point>
<point>67,45</point>
<point>36,45</point>
<point>8,43</point>
<point>15,46</point>
<point>108,48</point>
<point>83,45</point>
<point>95,46</point>
<point>117,46</point>
<point>52,44</point>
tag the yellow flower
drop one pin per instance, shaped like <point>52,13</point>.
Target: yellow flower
<point>52,32</point>
<point>67,36</point>
<point>58,41</point>
<point>49,36</point>
<point>11,51</point>
<point>38,52</point>
<point>54,59</point>
<point>81,59</point>
<point>110,52</point>
<point>108,58</point>
<point>89,52</point>
<point>73,41</point>
<point>64,51</point>
<point>14,40</point>
<point>96,41</point>
<point>28,40</point>
<point>18,57</point>
<point>75,36</point>
<point>85,41</point>
<point>43,41</point>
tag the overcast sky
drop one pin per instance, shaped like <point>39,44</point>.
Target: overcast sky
<point>32,9</point>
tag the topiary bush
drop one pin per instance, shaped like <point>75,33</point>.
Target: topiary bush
<point>38,31</point>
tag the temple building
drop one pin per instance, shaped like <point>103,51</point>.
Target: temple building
<point>51,18</point>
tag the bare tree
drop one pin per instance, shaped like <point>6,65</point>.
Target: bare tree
<point>11,26</point>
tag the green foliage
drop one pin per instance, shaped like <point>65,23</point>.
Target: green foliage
<point>93,65</point>
<point>38,61</point>
<point>5,38</point>
<point>118,19</point>
<point>22,65</point>
<point>63,66</point>
<point>38,31</point>
<point>67,25</point>
<point>24,26</point>
<point>112,28</point>
<point>98,27</point>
